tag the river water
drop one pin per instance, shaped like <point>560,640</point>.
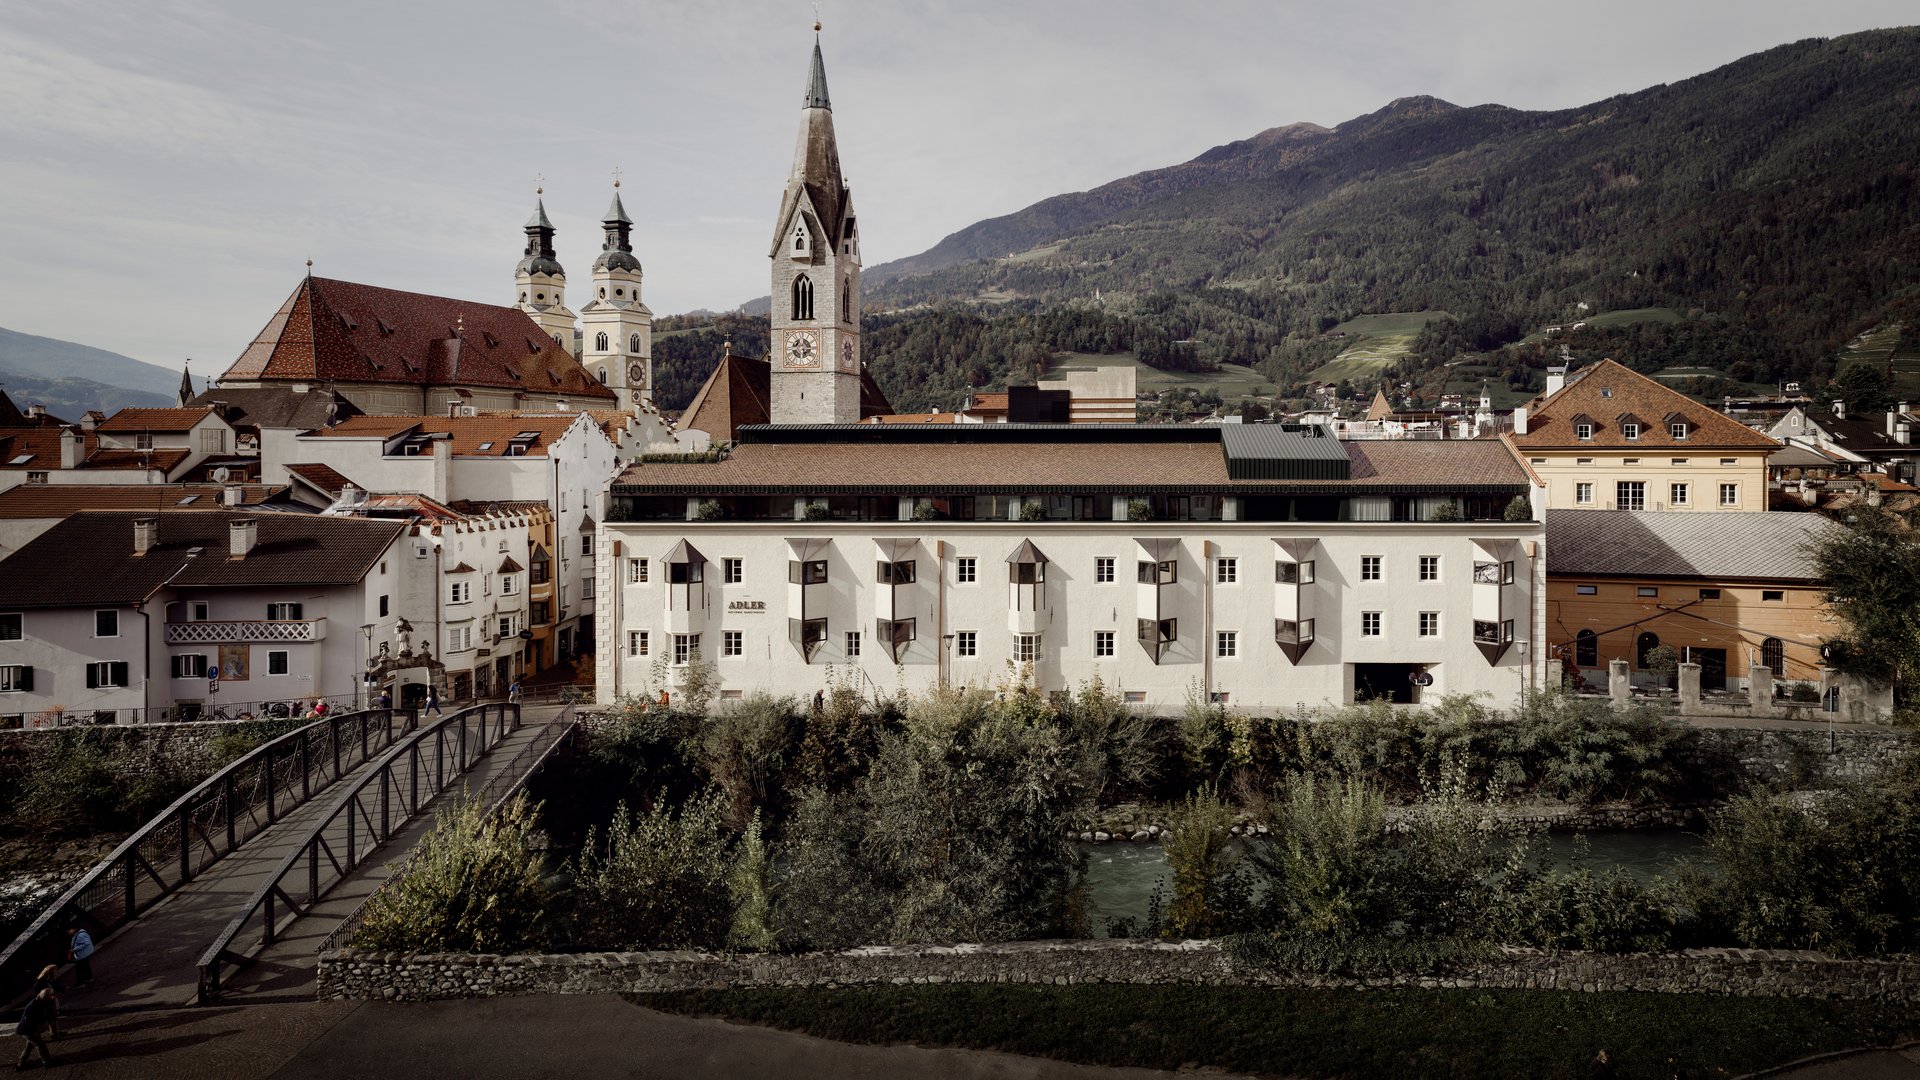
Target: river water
<point>1121,876</point>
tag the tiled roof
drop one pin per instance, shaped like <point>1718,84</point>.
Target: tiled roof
<point>164,460</point>
<point>39,446</point>
<point>1117,465</point>
<point>1606,392</point>
<point>278,406</point>
<point>995,402</point>
<point>59,500</point>
<point>155,419</point>
<point>323,478</point>
<point>488,435</point>
<point>1725,546</point>
<point>340,330</point>
<point>910,418</point>
<point>1863,435</point>
<point>191,550</point>
<point>738,392</point>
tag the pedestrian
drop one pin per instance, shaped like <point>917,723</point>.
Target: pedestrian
<point>48,980</point>
<point>1603,1066</point>
<point>433,700</point>
<point>663,699</point>
<point>80,951</point>
<point>819,702</point>
<point>513,692</point>
<point>386,700</point>
<point>35,1021</point>
<point>319,706</point>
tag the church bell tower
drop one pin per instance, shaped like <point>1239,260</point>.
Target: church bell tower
<point>616,343</point>
<point>540,283</point>
<point>816,276</point>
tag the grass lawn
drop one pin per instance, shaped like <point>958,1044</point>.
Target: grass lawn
<point>1634,315</point>
<point>1327,1033</point>
<point>1378,342</point>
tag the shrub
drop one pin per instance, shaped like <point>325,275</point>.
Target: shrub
<point>744,748</point>
<point>1124,746</point>
<point>1326,870</point>
<point>1365,956</point>
<point>473,884</point>
<point>1209,892</point>
<point>657,879</point>
<point>1518,509</point>
<point>749,885</point>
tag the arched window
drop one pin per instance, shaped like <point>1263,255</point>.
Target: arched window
<point>1642,645</point>
<point>600,342</point>
<point>633,344</point>
<point>802,297</point>
<point>846,299</point>
<point>1773,653</point>
<point>1586,649</point>
<point>603,374</point>
<point>800,238</point>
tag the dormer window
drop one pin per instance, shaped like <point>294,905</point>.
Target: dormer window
<point>1583,432</point>
<point>1677,430</point>
<point>1630,431</point>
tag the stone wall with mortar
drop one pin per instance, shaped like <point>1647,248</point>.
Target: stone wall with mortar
<point>369,975</point>
<point>179,750</point>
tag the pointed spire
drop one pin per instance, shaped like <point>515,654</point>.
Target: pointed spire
<point>539,218</point>
<point>616,213</point>
<point>817,78</point>
<point>616,251</point>
<point>186,383</point>
<point>539,251</point>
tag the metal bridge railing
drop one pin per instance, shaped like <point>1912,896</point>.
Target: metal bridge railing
<point>363,818</point>
<point>205,825</point>
<point>500,789</point>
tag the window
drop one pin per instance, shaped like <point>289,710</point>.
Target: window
<point>285,612</point>
<point>1586,649</point>
<point>1429,568</point>
<point>1537,461</point>
<point>636,571</point>
<point>190,666</point>
<point>966,643</point>
<point>964,571</point>
<point>106,623</point>
<point>486,584</point>
<point>731,643</point>
<point>1102,643</point>
<point>1369,624</point>
<point>1678,431</point>
<point>541,613</point>
<point>1729,494</point>
<point>1103,572</point>
<point>600,345</point>
<point>510,584</point>
<point>1026,648</point>
<point>1148,572</point>
<point>1369,568</point>
<point>636,643</point>
<point>199,611</point>
<point>1226,571</point>
<point>1429,624</point>
<point>1629,461</point>
<point>846,299</point>
<point>15,678</point>
<point>897,573</point>
<point>1647,590</point>
<point>853,644</point>
<point>1289,632</point>
<point>459,592</point>
<point>1677,494</point>
<point>459,638</point>
<point>1773,653</point>
<point>1630,431</point>
<point>586,588</point>
<point>683,573</point>
<point>1630,495</point>
<point>1583,493</point>
<point>1287,573</point>
<point>505,628</point>
<point>36,477</point>
<point>1226,644</point>
<point>633,343</point>
<point>807,572</point>
<point>1772,596</point>
<point>12,626</point>
<point>802,291</point>
<point>731,571</point>
<point>1486,632</point>
<point>1729,461</point>
<point>106,674</point>
<point>1586,590</point>
<point>586,545</point>
<point>277,662</point>
<point>686,648</point>
<point>1583,461</point>
<point>1583,431</point>
<point>537,572</point>
<point>383,605</point>
<point>1709,594</point>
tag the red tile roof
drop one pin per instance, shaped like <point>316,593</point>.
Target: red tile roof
<point>473,436</point>
<point>737,394</point>
<point>1608,394</point>
<point>164,460</point>
<point>155,419</point>
<point>340,330</point>
<point>59,500</point>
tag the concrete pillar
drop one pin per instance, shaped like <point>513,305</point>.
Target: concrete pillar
<point>1760,689</point>
<point>1689,687</point>
<point>1619,682</point>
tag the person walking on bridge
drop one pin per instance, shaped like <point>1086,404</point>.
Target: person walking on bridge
<point>433,700</point>
<point>80,951</point>
<point>49,980</point>
<point>36,1020</point>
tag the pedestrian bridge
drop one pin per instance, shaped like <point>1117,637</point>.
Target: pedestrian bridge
<point>231,891</point>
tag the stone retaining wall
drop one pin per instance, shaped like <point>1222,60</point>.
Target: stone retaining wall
<point>368,975</point>
<point>138,750</point>
<point>1814,756</point>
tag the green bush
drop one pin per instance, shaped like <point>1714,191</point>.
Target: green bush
<point>473,884</point>
<point>1579,909</point>
<point>749,886</point>
<point>1366,957</point>
<point>657,879</point>
<point>744,748</point>
<point>1209,891</point>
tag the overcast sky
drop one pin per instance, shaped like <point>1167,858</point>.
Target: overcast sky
<point>167,168</point>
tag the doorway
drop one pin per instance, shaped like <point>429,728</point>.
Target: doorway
<point>1397,683</point>
<point>1713,667</point>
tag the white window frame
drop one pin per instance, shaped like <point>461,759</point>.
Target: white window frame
<point>509,584</point>
<point>637,642</point>
<point>103,675</point>
<point>966,644</point>
<point>11,676</point>
<point>637,572</point>
<point>586,588</point>
<point>459,592</point>
<point>1370,624</point>
<point>1226,644</point>
<point>1678,432</point>
<point>1630,432</point>
<point>1429,568</point>
<point>1679,493</point>
<point>1026,648</point>
<point>733,643</point>
<point>459,638</point>
<point>1624,488</point>
<point>1583,432</point>
<point>1226,570</point>
<point>686,649</point>
<point>1372,568</point>
<point>1103,569</point>
<point>1729,494</point>
<point>853,644</point>
<point>586,545</point>
<point>1583,493</point>
<point>733,571</point>
<point>1102,644</point>
<point>966,570</point>
<point>184,665</point>
<point>1429,624</point>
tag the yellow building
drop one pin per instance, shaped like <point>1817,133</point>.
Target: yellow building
<point>1613,439</point>
<point>1726,591</point>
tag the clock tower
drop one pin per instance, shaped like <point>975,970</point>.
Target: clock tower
<point>816,276</point>
<point>616,341</point>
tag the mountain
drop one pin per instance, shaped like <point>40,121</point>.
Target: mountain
<point>1764,214</point>
<point>81,376</point>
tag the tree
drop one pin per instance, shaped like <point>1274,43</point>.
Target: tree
<point>1871,571</point>
<point>1863,387</point>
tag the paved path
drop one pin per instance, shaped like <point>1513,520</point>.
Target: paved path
<point>1903,1064</point>
<point>515,1038</point>
<point>152,961</point>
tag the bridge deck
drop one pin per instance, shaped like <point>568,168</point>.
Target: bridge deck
<point>152,960</point>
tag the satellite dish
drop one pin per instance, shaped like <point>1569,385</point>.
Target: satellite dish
<point>220,474</point>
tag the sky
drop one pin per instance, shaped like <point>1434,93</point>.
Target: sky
<point>167,168</point>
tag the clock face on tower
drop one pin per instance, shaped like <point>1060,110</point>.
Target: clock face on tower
<point>846,355</point>
<point>636,372</point>
<point>802,349</point>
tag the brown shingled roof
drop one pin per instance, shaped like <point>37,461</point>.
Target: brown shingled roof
<point>169,420</point>
<point>487,435</point>
<point>59,500</point>
<point>1606,392</point>
<point>737,394</point>
<point>323,478</point>
<point>341,330</point>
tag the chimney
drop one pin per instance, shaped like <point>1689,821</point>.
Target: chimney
<point>1891,417</point>
<point>71,445</point>
<point>244,533</point>
<point>233,495</point>
<point>1556,379</point>
<point>1839,409</point>
<point>1520,420</point>
<point>145,532</point>
<point>36,410</point>
<point>1903,433</point>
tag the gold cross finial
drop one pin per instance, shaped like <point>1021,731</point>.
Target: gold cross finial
<point>816,16</point>
<point>540,184</point>
<point>616,176</point>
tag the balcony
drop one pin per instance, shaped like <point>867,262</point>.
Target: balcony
<point>246,630</point>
